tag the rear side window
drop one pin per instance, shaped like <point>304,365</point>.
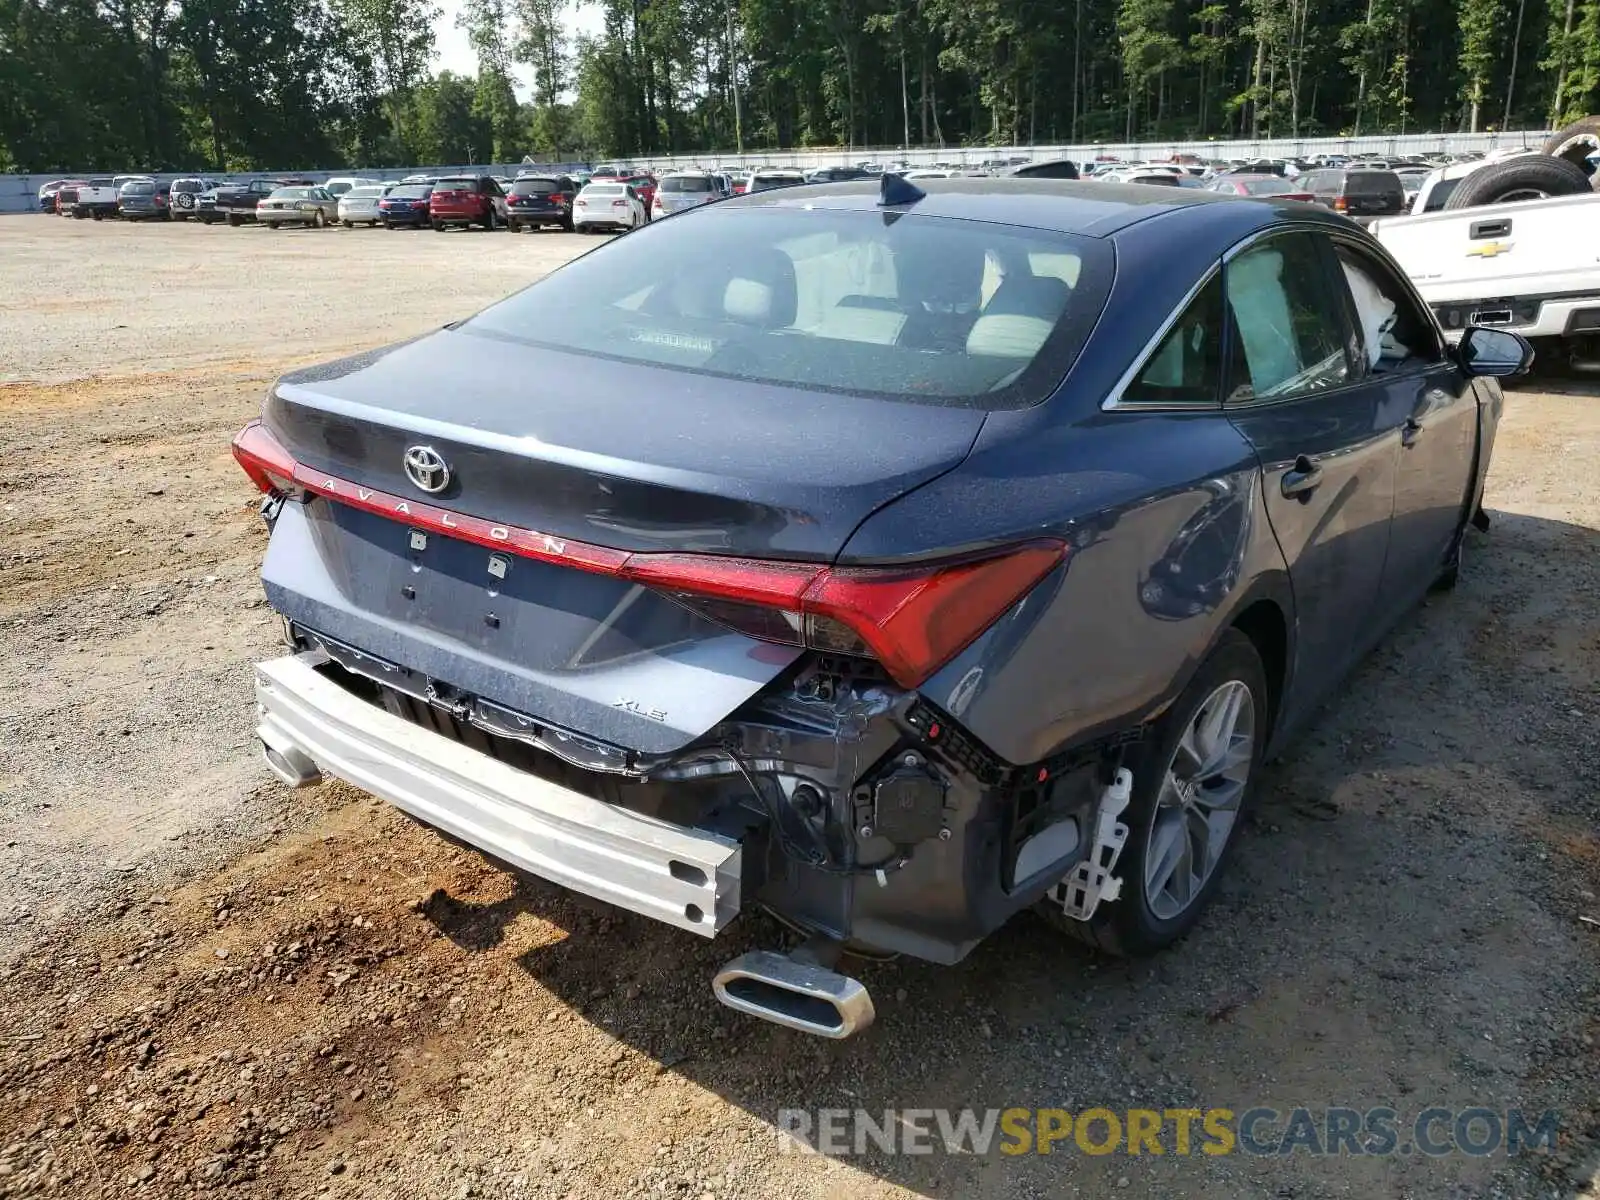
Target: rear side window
<point>1288,329</point>
<point>922,308</point>
<point>687,183</point>
<point>1186,367</point>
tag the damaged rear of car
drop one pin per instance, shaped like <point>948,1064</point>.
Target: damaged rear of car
<point>783,556</point>
<point>608,630</point>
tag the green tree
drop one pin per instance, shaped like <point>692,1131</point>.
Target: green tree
<point>1481,22</point>
<point>448,129</point>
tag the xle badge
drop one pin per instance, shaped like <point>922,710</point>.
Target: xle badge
<point>499,564</point>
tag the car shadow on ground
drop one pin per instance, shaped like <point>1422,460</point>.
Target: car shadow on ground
<point>1390,922</point>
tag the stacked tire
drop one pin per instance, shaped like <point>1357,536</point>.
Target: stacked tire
<point>1527,177</point>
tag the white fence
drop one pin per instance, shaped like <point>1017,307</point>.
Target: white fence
<point>19,193</point>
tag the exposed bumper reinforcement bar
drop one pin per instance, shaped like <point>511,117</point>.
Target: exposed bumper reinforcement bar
<point>684,877</point>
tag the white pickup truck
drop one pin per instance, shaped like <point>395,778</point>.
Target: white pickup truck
<point>1532,267</point>
<point>98,198</point>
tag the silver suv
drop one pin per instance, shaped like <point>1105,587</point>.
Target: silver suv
<point>186,197</point>
<point>674,193</point>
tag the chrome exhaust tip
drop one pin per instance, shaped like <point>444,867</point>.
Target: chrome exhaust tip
<point>292,765</point>
<point>797,994</point>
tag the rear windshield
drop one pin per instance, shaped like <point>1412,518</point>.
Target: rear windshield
<point>687,183</point>
<point>604,189</point>
<point>363,193</point>
<point>942,311</point>
<point>1371,183</point>
<point>138,189</point>
<point>1439,193</point>
<point>456,185</point>
<point>1268,187</point>
<point>188,185</point>
<point>535,187</point>
<point>101,183</point>
<point>411,191</point>
<point>292,194</point>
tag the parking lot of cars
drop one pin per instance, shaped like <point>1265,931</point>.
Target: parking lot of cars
<point>214,981</point>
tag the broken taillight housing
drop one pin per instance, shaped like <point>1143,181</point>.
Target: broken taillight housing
<point>912,619</point>
<point>269,466</point>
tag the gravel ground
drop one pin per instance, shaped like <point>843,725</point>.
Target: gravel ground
<point>212,983</point>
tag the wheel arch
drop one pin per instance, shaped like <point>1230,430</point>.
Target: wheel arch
<point>1264,621</point>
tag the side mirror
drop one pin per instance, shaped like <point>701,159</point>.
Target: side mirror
<point>1494,353</point>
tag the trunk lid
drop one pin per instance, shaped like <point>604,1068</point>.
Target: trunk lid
<point>619,455</point>
<point>624,455</point>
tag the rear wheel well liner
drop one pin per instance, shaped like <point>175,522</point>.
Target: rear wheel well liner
<point>1264,623</point>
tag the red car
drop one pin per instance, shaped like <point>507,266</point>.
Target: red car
<point>1272,186</point>
<point>645,185</point>
<point>67,196</point>
<point>467,200</point>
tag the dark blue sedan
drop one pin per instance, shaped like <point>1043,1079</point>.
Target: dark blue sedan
<point>891,556</point>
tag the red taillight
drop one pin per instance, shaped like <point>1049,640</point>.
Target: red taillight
<point>657,200</point>
<point>912,619</point>
<point>269,465</point>
<point>1340,204</point>
<point>738,189</point>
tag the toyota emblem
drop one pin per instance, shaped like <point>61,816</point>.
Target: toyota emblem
<point>426,468</point>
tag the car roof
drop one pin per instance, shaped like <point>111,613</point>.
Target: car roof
<point>1094,209</point>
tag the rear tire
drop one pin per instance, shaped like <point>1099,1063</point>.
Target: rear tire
<point>1132,926</point>
<point>492,221</point>
<point>272,224</point>
<point>235,221</point>
<point>1576,142</point>
<point>1533,177</point>
<point>319,220</point>
<point>438,226</point>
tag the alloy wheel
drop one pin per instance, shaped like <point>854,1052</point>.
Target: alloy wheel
<point>1198,804</point>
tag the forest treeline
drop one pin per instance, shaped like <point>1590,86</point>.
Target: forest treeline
<point>247,84</point>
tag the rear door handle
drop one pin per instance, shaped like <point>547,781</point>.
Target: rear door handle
<point>1410,431</point>
<point>1300,480</point>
